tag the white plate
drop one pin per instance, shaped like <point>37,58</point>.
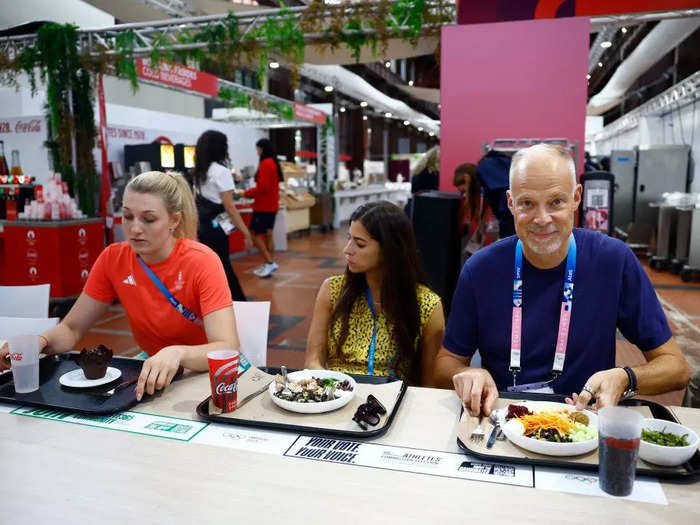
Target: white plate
<point>76,378</point>
<point>514,432</point>
<point>314,408</point>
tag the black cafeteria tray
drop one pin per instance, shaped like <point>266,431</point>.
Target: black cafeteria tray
<point>53,395</point>
<point>203,411</point>
<point>691,469</point>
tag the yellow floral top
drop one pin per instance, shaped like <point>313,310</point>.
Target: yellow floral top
<point>356,347</point>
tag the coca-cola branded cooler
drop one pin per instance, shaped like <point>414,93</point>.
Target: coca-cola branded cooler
<point>60,253</point>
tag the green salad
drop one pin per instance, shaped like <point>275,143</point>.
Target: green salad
<point>667,439</point>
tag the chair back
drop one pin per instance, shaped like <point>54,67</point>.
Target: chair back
<point>14,326</point>
<point>25,301</point>
<point>252,323</point>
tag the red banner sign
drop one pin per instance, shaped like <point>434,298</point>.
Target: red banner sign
<point>178,76</point>
<point>509,10</point>
<point>309,114</point>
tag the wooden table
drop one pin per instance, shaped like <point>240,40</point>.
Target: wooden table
<point>62,473</point>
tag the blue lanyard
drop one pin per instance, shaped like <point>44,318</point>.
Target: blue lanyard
<point>373,343</point>
<point>564,316</point>
<point>190,316</point>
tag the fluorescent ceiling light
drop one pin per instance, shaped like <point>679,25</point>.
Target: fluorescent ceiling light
<point>600,64</point>
<point>420,128</point>
<point>387,114</point>
<point>431,134</point>
<point>406,122</point>
<point>364,117</point>
<point>342,109</point>
<point>624,29</point>
<point>328,89</point>
<point>606,44</point>
<point>363,104</point>
<point>387,64</point>
<point>588,76</point>
<point>274,65</point>
<point>410,83</point>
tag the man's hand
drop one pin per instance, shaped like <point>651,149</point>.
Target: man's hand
<point>477,390</point>
<point>158,371</point>
<point>607,387</point>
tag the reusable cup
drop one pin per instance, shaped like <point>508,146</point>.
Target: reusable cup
<point>619,432</point>
<point>223,375</point>
<point>24,357</point>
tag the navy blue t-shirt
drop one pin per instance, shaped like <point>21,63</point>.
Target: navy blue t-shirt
<point>611,290</point>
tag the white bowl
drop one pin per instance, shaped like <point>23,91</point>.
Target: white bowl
<point>314,408</point>
<point>514,431</point>
<point>663,455</point>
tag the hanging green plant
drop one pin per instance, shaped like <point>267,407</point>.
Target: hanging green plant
<point>126,66</point>
<point>355,38</point>
<point>409,14</point>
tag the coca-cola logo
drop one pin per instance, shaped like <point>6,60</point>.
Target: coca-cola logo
<point>84,275</point>
<point>32,255</point>
<point>31,237</point>
<point>16,356</point>
<point>82,236</point>
<point>33,273</point>
<point>32,126</point>
<point>223,388</point>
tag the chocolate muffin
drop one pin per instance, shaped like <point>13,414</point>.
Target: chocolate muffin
<point>94,361</point>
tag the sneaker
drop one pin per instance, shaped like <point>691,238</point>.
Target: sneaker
<point>267,271</point>
<point>260,269</point>
<point>274,266</point>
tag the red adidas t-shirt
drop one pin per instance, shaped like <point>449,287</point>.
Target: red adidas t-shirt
<point>192,272</point>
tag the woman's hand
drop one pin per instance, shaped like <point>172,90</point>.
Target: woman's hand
<point>158,371</point>
<point>248,240</point>
<point>5,363</point>
<point>5,356</point>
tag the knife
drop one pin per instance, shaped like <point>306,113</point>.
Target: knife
<point>254,394</point>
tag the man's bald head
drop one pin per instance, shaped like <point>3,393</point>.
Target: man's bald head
<point>546,157</point>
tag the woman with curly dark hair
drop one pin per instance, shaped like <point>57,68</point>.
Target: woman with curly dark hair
<point>378,318</point>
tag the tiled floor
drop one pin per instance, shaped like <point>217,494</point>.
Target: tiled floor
<point>312,258</point>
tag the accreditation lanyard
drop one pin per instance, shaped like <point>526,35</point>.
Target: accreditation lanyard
<point>564,316</point>
<point>189,315</point>
<point>373,343</point>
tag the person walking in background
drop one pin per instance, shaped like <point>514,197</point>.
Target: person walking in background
<point>213,186</point>
<point>266,204</point>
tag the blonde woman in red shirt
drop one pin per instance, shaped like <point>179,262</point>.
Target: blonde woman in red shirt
<point>266,205</point>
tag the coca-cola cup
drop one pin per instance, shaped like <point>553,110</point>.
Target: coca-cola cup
<point>223,376</point>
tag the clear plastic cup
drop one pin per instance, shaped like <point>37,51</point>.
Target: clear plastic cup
<point>619,432</point>
<point>24,357</point>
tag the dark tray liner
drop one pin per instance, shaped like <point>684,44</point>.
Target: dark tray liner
<point>203,411</point>
<point>692,467</point>
<point>53,395</point>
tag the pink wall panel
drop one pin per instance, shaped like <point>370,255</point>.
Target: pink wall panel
<point>511,80</point>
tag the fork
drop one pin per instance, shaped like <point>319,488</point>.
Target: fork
<point>120,386</point>
<point>477,435</point>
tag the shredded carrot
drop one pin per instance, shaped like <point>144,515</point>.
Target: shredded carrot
<point>547,420</point>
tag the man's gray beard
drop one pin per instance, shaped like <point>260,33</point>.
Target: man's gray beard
<point>547,248</point>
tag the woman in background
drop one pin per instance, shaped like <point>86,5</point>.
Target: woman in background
<point>378,318</point>
<point>266,204</point>
<point>213,186</point>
